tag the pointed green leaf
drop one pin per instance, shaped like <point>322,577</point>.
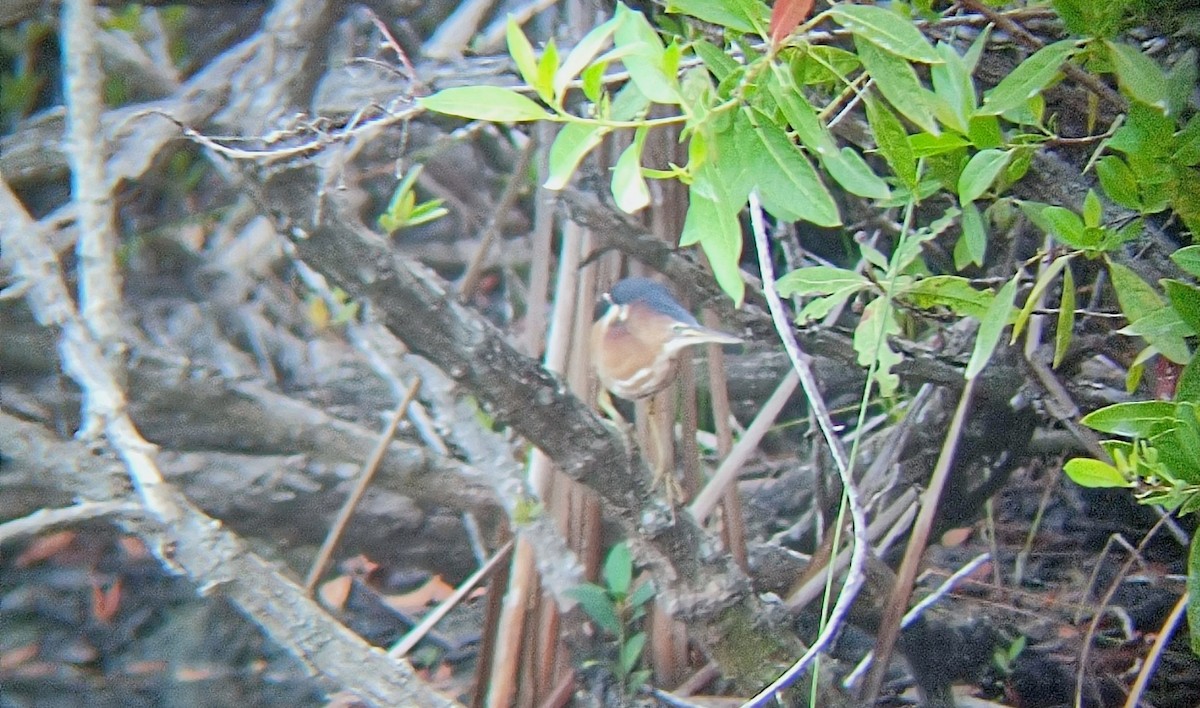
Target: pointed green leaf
<point>949,291</point>
<point>1133,419</point>
<point>788,184</point>
<point>1139,76</point>
<point>1136,297</point>
<point>618,569</point>
<point>490,103</point>
<point>1066,226</point>
<point>629,188</point>
<point>819,280</point>
<point>886,29</point>
<point>521,51</point>
<point>1164,330</point>
<point>892,141</point>
<point>1193,588</point>
<point>1094,474</point>
<point>952,85</point>
<point>712,221</point>
<point>646,63</point>
<point>982,169</point>
<point>991,327</point>
<point>1029,78</point>
<point>1188,259</point>
<point>1066,318</point>
<point>1092,211</point>
<point>898,83</point>
<point>581,55</point>
<point>878,322</point>
<point>570,146</point>
<point>974,234</point>
<point>1044,280</point>
<point>632,651</point>
<point>850,170</point>
<point>717,61</point>
<point>1186,301</point>
<point>1118,182</point>
<point>597,604</point>
<point>547,67</point>
<point>743,17</point>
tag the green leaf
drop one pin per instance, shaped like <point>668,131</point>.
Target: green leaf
<point>1066,226</point>
<point>984,132</point>
<point>788,185</point>
<point>642,594</point>
<point>1044,280</point>
<point>850,170</point>
<point>885,29</point>
<point>1139,76</point>
<point>1164,330</point>
<point>597,604</point>
<point>952,85</point>
<point>949,291</point>
<point>1186,301</point>
<point>733,148</point>
<point>980,172</point>
<point>819,280</point>
<point>893,142</point>
<point>800,114</point>
<point>926,145</point>
<point>974,234</point>
<point>1092,211</point>
<point>1118,182</point>
<point>877,323</point>
<point>632,651</point>
<point>818,307</point>
<point>646,63</point>
<point>712,221</point>
<point>1193,588</point>
<point>581,55</point>
<point>629,188</point>
<point>1187,388</point>
<point>490,103</point>
<point>1188,258</point>
<point>1133,419</point>
<point>522,53</point>
<point>570,146</point>
<point>718,62</point>
<point>1029,78</point>
<point>1136,297</point>
<point>618,570</point>
<point>991,326</point>
<point>1066,318</point>
<point>1094,473</point>
<point>898,83</point>
<point>738,16</point>
<point>547,66</point>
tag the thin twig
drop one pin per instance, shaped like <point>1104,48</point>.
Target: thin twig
<point>1160,643</point>
<point>360,487</point>
<point>491,230</point>
<point>44,519</point>
<point>889,625</point>
<point>911,616</point>
<point>800,364</point>
<point>99,279</point>
<point>401,648</point>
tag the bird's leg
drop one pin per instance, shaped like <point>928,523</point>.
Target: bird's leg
<point>605,403</point>
<point>664,476</point>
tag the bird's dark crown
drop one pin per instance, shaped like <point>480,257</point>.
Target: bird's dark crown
<point>651,294</point>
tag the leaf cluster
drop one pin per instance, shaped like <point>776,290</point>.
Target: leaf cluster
<point>617,607</point>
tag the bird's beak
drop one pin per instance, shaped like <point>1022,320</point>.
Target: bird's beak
<point>687,335</point>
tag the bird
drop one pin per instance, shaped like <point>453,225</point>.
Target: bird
<point>635,345</point>
<point>639,335</point>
